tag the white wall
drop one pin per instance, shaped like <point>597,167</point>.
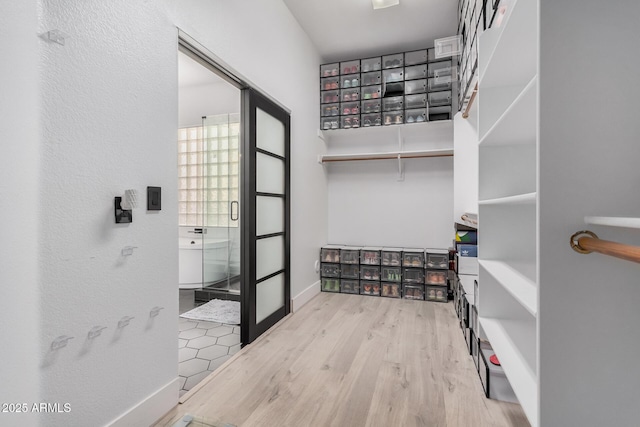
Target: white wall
<point>465,163</point>
<point>589,133</point>
<point>206,100</point>
<point>108,101</point>
<point>369,206</point>
<point>19,163</point>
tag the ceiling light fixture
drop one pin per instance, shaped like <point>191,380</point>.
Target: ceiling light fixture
<point>381,4</point>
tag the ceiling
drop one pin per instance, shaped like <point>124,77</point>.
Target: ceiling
<point>351,29</point>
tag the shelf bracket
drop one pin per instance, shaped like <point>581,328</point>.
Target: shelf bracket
<point>400,150</point>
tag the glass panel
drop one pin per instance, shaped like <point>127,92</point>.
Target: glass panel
<point>269,174</point>
<point>269,297</point>
<point>269,133</point>
<point>269,256</point>
<point>269,215</point>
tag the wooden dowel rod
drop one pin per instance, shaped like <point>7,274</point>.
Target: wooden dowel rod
<point>465,114</point>
<point>618,250</point>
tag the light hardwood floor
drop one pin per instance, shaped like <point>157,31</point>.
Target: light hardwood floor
<point>351,360</point>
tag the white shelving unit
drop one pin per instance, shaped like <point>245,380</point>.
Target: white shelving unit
<point>508,197</point>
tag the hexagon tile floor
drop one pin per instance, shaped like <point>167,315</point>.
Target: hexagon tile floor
<point>203,347</point>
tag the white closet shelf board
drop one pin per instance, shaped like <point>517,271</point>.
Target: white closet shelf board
<point>508,53</point>
<point>392,155</point>
<point>520,375</point>
<point>512,279</point>
<point>413,131</point>
<point>515,126</point>
<point>612,221</point>
<point>518,199</point>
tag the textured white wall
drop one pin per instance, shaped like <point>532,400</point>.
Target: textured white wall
<point>19,161</point>
<point>108,104</point>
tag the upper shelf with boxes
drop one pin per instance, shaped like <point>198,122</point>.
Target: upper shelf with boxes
<point>409,87</point>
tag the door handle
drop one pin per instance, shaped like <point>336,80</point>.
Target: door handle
<point>232,216</point>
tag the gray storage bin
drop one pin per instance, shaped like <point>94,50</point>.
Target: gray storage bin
<point>368,287</point>
<point>371,106</point>
<point>391,290</point>
<point>370,272</point>
<point>329,110</point>
<point>418,115</point>
<point>394,103</point>
<point>415,86</point>
<point>349,122</point>
<point>415,72</point>
<point>393,61</point>
<point>435,293</point>
<point>440,83</point>
<point>349,286</point>
<point>350,67</point>
<point>349,95</point>
<point>371,120</point>
<point>328,97</point>
<point>416,57</point>
<point>392,76</point>
<point>415,101</point>
<point>330,83</point>
<point>328,70</point>
<point>330,285</point>
<point>371,92</point>
<point>440,69</point>
<point>371,64</point>
<point>350,271</point>
<point>328,123</point>
<point>373,78</point>
<point>439,98</point>
<point>413,291</point>
<point>392,118</point>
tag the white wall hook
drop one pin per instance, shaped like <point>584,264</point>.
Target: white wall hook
<point>56,36</point>
<point>95,332</point>
<point>155,311</point>
<point>128,250</point>
<point>124,321</point>
<point>60,342</point>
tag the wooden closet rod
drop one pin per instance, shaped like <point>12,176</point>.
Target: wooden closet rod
<point>465,114</point>
<point>586,242</point>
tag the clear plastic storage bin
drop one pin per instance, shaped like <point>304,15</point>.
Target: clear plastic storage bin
<point>439,113</point>
<point>415,86</point>
<point>349,81</point>
<point>435,293</point>
<point>349,255</point>
<point>392,118</point>
<point>438,258</point>
<point>370,256</point>
<point>393,75</point>
<point>330,83</point>
<point>330,285</point>
<point>439,98</point>
<point>373,78</point>
<point>350,67</point>
<point>416,57</point>
<point>330,270</point>
<point>436,277</point>
<point>440,83</point>
<point>391,256</point>
<point>440,69</point>
<point>391,290</point>
<point>413,275</point>
<point>413,291</point>
<point>415,72</point>
<point>348,108</point>
<point>371,64</point>
<point>371,92</point>
<point>330,96</point>
<point>371,120</point>
<point>349,286</point>
<point>418,115</point>
<point>329,70</point>
<point>413,257</point>
<point>369,288</point>
<point>369,272</point>
<point>393,61</point>
<point>348,122</point>
<point>330,253</point>
<point>329,123</point>
<point>392,104</point>
<point>391,274</point>
<point>330,110</point>
<point>349,95</point>
<point>350,271</point>
<point>415,101</point>
<point>371,106</point>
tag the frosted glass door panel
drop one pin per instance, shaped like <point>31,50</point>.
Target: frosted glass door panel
<point>269,133</point>
<point>269,256</point>
<point>269,174</point>
<point>269,297</point>
<point>269,215</point>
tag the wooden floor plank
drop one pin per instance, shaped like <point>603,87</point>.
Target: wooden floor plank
<point>350,360</point>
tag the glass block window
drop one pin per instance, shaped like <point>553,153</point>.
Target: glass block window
<point>208,172</point>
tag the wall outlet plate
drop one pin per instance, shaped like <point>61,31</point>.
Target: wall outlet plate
<point>154,198</point>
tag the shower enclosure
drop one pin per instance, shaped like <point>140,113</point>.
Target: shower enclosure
<point>209,209</point>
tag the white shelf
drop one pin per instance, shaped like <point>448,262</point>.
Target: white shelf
<point>515,125</point>
<point>510,51</point>
<point>390,155</point>
<point>519,285</point>
<point>612,221</point>
<point>519,199</point>
<point>410,131</point>
<point>521,376</point>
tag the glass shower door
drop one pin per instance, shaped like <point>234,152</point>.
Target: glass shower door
<point>221,210</point>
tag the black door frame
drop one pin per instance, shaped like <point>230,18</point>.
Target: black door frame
<point>252,100</point>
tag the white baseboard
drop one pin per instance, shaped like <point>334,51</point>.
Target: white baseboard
<point>305,296</point>
<point>150,409</point>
